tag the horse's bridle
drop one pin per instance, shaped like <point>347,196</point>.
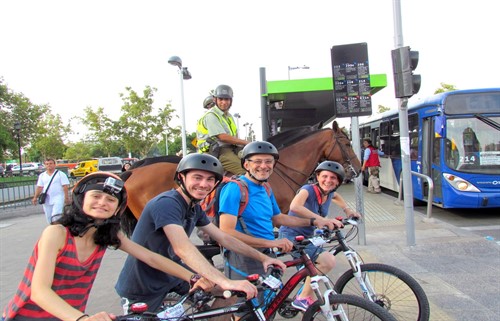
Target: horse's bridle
<point>347,160</point>
<point>346,164</point>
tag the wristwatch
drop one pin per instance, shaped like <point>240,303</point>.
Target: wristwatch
<point>193,279</point>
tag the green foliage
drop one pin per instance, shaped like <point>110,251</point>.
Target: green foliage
<point>139,130</point>
<point>34,120</point>
<point>445,88</point>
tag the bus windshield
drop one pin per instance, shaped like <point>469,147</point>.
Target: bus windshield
<point>472,145</point>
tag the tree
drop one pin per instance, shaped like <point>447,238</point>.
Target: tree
<point>445,88</point>
<point>80,151</point>
<point>50,135</point>
<point>101,130</point>
<point>15,107</point>
<point>138,128</point>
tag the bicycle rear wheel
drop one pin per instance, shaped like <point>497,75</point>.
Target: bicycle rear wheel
<point>395,290</point>
<point>350,308</point>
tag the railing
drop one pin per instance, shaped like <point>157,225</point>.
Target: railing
<point>18,193</point>
<point>430,197</point>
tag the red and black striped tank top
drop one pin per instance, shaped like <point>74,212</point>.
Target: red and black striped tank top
<point>73,281</point>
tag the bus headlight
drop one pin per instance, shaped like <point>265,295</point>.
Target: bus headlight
<point>460,184</point>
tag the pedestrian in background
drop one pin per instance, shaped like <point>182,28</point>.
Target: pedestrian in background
<point>371,162</point>
<point>57,192</point>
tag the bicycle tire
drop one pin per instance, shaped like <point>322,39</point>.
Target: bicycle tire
<point>356,308</point>
<point>396,291</point>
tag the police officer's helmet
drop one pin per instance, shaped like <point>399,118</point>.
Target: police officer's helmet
<point>223,91</point>
<point>259,147</point>
<point>202,162</point>
<point>333,167</point>
<point>208,102</point>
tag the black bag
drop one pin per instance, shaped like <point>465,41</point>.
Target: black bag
<point>41,198</point>
<point>43,195</point>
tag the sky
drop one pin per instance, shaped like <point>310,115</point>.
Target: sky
<point>75,54</point>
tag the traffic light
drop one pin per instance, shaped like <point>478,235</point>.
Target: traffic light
<point>404,62</point>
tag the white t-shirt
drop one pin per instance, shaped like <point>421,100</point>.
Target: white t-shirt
<point>56,190</point>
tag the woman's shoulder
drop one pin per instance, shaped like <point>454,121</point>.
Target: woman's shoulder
<point>56,234</point>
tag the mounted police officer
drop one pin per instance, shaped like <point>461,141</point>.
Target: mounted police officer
<point>217,133</point>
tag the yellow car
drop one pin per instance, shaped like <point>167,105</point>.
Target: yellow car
<point>84,168</point>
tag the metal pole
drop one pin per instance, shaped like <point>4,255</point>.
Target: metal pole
<point>404,137</point>
<point>183,115</point>
<point>263,104</point>
<point>358,181</point>
<point>20,156</point>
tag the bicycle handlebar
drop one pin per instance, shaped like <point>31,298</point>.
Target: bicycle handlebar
<point>270,279</point>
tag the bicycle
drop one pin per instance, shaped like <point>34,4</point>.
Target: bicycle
<point>386,285</point>
<point>331,305</point>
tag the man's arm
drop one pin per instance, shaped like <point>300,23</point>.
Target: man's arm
<point>38,191</point>
<point>228,139</point>
<point>228,225</point>
<point>191,256</point>
<point>234,244</point>
<point>293,221</point>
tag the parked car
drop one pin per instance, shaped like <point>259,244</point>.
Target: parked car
<point>84,168</point>
<point>30,169</point>
<point>110,164</point>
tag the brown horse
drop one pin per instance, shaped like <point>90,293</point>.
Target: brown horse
<point>299,157</point>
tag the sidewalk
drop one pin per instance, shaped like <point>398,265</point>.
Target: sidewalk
<point>459,271</point>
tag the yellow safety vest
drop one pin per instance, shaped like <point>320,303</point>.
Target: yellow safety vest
<point>203,140</point>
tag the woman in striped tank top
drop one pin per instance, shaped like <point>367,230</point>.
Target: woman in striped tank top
<point>66,258</point>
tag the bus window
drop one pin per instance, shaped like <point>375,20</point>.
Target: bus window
<point>413,128</point>
<point>472,146</point>
<point>395,149</point>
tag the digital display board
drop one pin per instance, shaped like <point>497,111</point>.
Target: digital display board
<point>351,80</point>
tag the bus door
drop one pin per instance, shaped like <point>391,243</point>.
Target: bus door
<point>431,157</point>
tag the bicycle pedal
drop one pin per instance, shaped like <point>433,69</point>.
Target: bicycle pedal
<point>287,311</point>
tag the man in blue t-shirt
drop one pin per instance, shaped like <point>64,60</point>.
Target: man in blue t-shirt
<point>255,226</point>
<point>165,226</point>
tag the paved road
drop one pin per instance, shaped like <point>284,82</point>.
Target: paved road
<point>457,267</point>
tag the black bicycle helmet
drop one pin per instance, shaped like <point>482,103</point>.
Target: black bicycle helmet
<point>208,102</point>
<point>223,91</point>
<point>259,147</point>
<point>333,167</point>
<point>202,162</point>
<point>103,181</point>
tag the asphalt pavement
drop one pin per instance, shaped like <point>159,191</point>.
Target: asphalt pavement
<point>459,270</point>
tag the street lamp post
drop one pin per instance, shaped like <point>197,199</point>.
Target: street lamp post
<point>294,68</point>
<point>184,74</point>
<point>237,116</point>
<point>17,127</point>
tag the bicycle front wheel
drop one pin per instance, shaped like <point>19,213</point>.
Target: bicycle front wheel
<point>395,290</point>
<point>349,308</point>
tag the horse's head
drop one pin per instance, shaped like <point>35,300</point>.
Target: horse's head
<point>350,161</point>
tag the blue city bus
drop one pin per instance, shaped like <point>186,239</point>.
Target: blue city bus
<point>454,139</point>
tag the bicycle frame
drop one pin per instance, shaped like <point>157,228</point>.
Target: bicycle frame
<point>355,263</point>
